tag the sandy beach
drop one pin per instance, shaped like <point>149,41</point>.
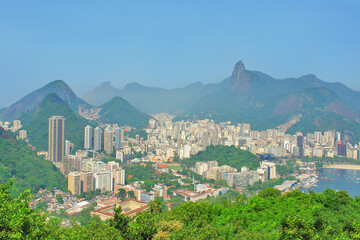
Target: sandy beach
<point>343,166</point>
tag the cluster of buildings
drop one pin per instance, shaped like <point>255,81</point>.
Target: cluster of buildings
<point>202,191</point>
<point>211,170</point>
<point>89,174</point>
<point>113,137</point>
<point>93,175</point>
<point>185,138</point>
<point>13,127</point>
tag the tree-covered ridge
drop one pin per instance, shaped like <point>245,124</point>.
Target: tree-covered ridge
<point>269,215</point>
<point>321,120</point>
<point>29,170</point>
<point>37,122</point>
<point>121,112</point>
<point>225,155</point>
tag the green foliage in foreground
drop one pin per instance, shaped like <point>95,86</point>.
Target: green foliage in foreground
<point>225,155</point>
<point>295,215</point>
<point>29,170</point>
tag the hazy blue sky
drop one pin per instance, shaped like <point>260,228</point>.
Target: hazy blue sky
<point>173,43</point>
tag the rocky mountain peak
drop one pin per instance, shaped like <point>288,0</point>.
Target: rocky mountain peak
<point>105,84</point>
<point>238,69</point>
<point>240,81</point>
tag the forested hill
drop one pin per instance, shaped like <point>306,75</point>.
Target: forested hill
<point>37,122</point>
<point>225,155</point>
<point>269,215</point>
<point>121,112</point>
<point>29,170</point>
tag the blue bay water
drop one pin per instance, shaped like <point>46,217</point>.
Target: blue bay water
<point>343,179</point>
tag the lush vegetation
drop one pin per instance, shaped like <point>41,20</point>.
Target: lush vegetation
<point>29,170</point>
<point>132,134</point>
<point>262,185</point>
<point>38,123</point>
<point>269,215</point>
<point>225,155</point>
<point>119,111</point>
<point>287,168</point>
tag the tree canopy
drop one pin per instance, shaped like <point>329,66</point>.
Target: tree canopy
<point>225,155</point>
<point>269,215</point>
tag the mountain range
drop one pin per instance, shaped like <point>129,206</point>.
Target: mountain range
<point>57,98</point>
<point>245,96</point>
<point>248,96</point>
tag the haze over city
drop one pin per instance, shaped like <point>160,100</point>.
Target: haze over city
<point>179,119</point>
<point>168,44</point>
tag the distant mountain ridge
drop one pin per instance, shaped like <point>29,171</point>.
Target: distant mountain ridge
<point>248,96</point>
<point>154,99</point>
<point>151,99</point>
<point>101,94</point>
<point>32,100</point>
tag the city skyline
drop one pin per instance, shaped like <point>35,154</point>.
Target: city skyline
<point>172,45</point>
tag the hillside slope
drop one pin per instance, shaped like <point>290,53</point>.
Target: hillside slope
<point>29,170</point>
<point>32,100</point>
<point>119,111</point>
<point>38,122</point>
<point>225,155</point>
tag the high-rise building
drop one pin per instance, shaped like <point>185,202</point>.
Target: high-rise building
<point>104,181</point>
<point>97,139</point>
<point>119,176</point>
<point>152,123</point>
<point>271,169</point>
<point>111,166</point>
<point>317,136</point>
<point>88,137</point>
<point>118,137</point>
<point>341,147</point>
<point>56,144</point>
<point>300,144</point>
<point>16,125</point>
<point>108,140</point>
<point>74,183</point>
<point>22,134</point>
<point>69,164</point>
<point>67,147</point>
<point>87,181</point>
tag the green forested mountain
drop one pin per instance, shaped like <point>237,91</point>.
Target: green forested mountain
<point>119,111</point>
<point>37,122</point>
<point>32,100</point>
<point>269,215</point>
<point>29,170</point>
<point>225,155</point>
<point>321,120</point>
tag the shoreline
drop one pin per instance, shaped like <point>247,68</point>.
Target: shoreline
<point>343,166</point>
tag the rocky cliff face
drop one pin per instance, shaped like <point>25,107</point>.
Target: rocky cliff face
<point>240,78</point>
